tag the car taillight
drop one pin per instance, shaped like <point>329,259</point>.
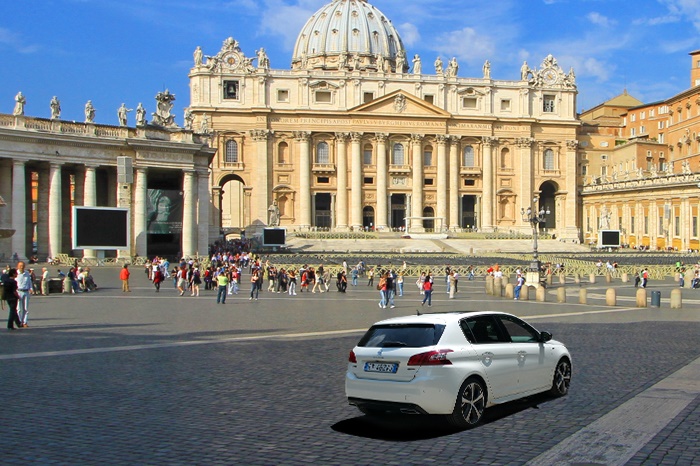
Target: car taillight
<point>352,357</point>
<point>431,358</point>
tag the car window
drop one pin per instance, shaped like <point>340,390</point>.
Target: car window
<point>519,331</point>
<point>483,330</point>
<point>402,336</point>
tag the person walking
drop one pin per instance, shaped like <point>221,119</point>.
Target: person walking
<point>124,275</point>
<point>382,287</point>
<point>196,282</point>
<point>45,281</point>
<point>428,290</point>
<point>370,275</point>
<point>255,280</point>
<point>182,280</point>
<point>355,274</point>
<point>292,286</point>
<point>520,281</point>
<point>11,295</point>
<point>24,288</point>
<point>222,282</point>
<point>157,279</point>
<point>399,283</point>
<point>451,284</point>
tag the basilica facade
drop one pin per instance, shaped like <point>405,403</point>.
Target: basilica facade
<point>360,134</point>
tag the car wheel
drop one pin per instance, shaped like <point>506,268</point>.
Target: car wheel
<point>470,404</point>
<point>562,378</point>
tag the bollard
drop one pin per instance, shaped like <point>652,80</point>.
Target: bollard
<point>641,297</point>
<point>677,277</point>
<point>549,279</point>
<point>676,299</point>
<point>583,296</point>
<point>497,287</point>
<point>656,299</point>
<point>608,278</point>
<point>611,297</point>
<point>689,276</point>
<point>591,278</point>
<point>510,291</point>
<point>541,294</point>
<point>625,278</point>
<point>489,284</point>
<point>577,279</point>
<point>561,295</point>
<point>562,279</point>
<point>525,293</point>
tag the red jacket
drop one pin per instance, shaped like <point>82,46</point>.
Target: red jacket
<point>124,274</point>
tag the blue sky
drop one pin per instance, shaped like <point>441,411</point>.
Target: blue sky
<point>114,51</point>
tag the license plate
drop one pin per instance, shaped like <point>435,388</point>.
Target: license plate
<point>388,368</point>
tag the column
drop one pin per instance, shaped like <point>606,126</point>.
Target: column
<point>6,212</point>
<point>140,228</point>
<point>488,189</point>
<point>19,210</point>
<point>262,182</point>
<point>89,198</point>
<point>42,214</point>
<point>55,211</point>
<point>304,138</point>
<point>341,202</point>
<point>454,201</point>
<point>188,215</point>
<point>417,182</point>
<point>217,198</point>
<point>571,203</point>
<point>526,176</point>
<point>382,185</point>
<point>203,213</point>
<point>441,181</point>
<point>356,220</point>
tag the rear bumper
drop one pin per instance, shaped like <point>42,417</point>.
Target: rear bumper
<point>387,407</point>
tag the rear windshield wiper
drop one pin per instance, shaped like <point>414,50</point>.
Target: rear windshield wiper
<point>393,344</point>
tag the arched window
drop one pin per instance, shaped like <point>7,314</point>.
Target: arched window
<point>397,156</point>
<point>549,159</point>
<point>231,152</point>
<point>468,157</point>
<point>428,156</point>
<point>322,153</point>
<point>282,152</point>
<point>367,155</point>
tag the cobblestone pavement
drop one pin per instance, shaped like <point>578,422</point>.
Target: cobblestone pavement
<point>146,378</point>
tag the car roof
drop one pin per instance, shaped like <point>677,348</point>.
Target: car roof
<point>437,318</point>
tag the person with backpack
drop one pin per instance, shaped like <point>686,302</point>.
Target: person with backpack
<point>11,295</point>
<point>428,290</point>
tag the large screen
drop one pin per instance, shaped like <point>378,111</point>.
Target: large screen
<point>609,239</point>
<point>101,228</point>
<point>274,236</point>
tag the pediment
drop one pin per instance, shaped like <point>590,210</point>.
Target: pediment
<point>400,103</point>
<point>321,85</point>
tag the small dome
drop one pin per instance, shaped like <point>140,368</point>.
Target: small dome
<point>349,34</point>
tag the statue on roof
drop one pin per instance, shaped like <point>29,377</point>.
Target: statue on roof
<point>417,66</point>
<point>401,61</point>
<point>198,56</point>
<point>438,66</point>
<point>162,115</point>
<point>89,112</point>
<point>487,69</point>
<point>452,68</point>
<point>55,108</point>
<point>122,113</point>
<point>20,102</point>
<point>263,59</point>
<point>140,115</point>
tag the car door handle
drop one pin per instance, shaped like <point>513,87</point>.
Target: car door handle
<point>522,354</point>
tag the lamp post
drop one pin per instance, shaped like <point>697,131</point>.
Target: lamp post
<point>534,216</point>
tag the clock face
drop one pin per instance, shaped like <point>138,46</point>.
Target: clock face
<point>549,76</point>
<point>232,60</point>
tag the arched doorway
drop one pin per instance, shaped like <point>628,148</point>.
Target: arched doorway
<point>547,201</point>
<point>232,209</point>
<point>429,223</point>
<point>368,218</point>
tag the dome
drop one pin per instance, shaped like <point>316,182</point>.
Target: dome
<point>349,34</point>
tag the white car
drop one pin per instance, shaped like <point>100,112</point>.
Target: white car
<point>454,364</point>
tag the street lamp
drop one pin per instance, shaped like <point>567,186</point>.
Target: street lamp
<point>534,217</point>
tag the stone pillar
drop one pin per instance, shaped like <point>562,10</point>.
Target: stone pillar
<point>454,184</point>
<point>6,212</point>
<point>341,202</point>
<point>489,194</point>
<point>203,212</point>
<point>42,215</point>
<point>140,212</point>
<point>442,180</point>
<point>417,182</point>
<point>356,198</point>
<point>382,184</point>
<point>262,181</point>
<point>19,210</point>
<point>55,211</point>
<point>304,138</point>
<point>217,198</point>
<point>526,176</point>
<point>570,230</point>
<point>188,215</point>
<point>89,198</point>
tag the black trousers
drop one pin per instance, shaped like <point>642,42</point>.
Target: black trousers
<point>14,317</point>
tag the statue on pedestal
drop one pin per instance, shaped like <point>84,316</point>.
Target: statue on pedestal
<point>122,113</point>
<point>89,112</point>
<point>198,55</point>
<point>20,102</point>
<point>438,66</point>
<point>55,108</point>
<point>189,119</point>
<point>263,60</point>
<point>452,68</point>
<point>417,65</point>
<point>162,116</point>
<point>487,69</point>
<point>274,211</point>
<point>400,61</point>
<point>140,115</point>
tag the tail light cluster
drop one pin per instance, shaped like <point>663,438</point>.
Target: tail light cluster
<point>431,358</point>
<point>352,358</point>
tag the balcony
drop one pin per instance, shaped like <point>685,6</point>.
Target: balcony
<point>328,168</point>
<point>470,171</point>
<point>406,169</point>
<point>233,166</point>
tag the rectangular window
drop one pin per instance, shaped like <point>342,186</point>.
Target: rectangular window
<point>643,115</point>
<point>677,226</point>
<point>642,129</point>
<point>368,180</point>
<point>646,224</point>
<point>469,183</point>
<point>367,157</point>
<point>282,95</point>
<point>323,97</point>
<point>661,125</point>
<point>323,180</point>
<point>661,138</point>
<point>695,227</point>
<point>651,113</point>
<point>633,118</point>
<point>633,131</point>
<point>661,226</point>
<point>469,102</point>
<point>505,105</point>
<point>231,90</point>
<point>368,97</point>
<point>548,104</point>
<point>429,98</point>
<point>428,181</point>
<point>427,158</point>
<point>584,170</point>
<point>632,224</point>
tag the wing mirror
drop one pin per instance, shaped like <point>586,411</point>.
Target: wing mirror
<point>545,337</point>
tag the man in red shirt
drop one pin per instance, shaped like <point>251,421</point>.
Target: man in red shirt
<point>124,277</point>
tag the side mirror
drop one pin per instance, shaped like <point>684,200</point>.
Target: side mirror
<point>545,337</point>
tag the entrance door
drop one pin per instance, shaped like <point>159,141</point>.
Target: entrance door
<point>429,223</point>
<point>469,212</point>
<point>368,218</point>
<point>323,211</point>
<point>398,210</point>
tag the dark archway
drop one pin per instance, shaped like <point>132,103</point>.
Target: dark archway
<point>368,218</point>
<point>231,202</point>
<point>548,191</point>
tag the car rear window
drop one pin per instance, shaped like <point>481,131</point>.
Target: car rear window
<point>402,336</point>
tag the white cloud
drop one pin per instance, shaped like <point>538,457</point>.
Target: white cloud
<point>685,9</point>
<point>287,20</point>
<point>13,41</point>
<point>600,20</point>
<point>409,34</point>
<point>465,44</point>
